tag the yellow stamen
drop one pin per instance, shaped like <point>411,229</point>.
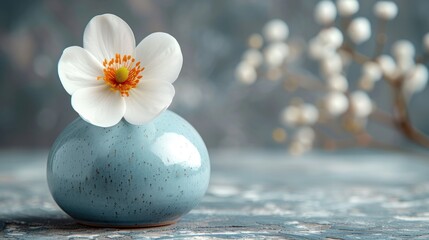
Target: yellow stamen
<point>122,74</point>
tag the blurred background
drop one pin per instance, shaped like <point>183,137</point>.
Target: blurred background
<point>34,107</point>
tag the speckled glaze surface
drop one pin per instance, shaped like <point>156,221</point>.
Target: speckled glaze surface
<point>128,175</point>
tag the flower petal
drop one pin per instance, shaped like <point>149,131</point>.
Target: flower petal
<point>107,34</point>
<point>160,55</point>
<point>148,100</point>
<point>99,105</point>
<point>77,68</point>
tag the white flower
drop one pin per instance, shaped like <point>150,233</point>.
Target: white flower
<point>404,65</point>
<point>359,30</point>
<point>317,49</point>
<point>337,83</point>
<point>416,80</point>
<point>309,114</point>
<point>347,7</point>
<point>276,53</point>
<point>371,71</point>
<point>303,114</point>
<point>276,30</point>
<point>253,57</point>
<point>305,136</point>
<point>404,52</point>
<point>325,12</point>
<point>403,49</point>
<point>245,73</point>
<point>385,10</point>
<point>291,115</point>
<point>426,41</point>
<point>331,37</point>
<point>325,44</point>
<point>361,104</point>
<point>386,64</point>
<point>336,103</point>
<point>110,78</point>
<point>332,65</point>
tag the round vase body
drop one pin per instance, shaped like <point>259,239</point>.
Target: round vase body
<point>128,175</point>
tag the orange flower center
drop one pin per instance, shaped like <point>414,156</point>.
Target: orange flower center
<point>121,73</point>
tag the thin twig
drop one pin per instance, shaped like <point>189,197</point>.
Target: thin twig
<point>382,117</point>
<point>356,56</point>
<point>305,82</point>
<point>381,38</point>
<point>403,120</point>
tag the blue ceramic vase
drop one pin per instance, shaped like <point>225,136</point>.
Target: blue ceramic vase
<point>127,175</point>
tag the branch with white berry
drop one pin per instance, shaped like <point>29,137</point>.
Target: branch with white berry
<point>340,118</point>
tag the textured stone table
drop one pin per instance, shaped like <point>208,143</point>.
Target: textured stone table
<point>253,194</point>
